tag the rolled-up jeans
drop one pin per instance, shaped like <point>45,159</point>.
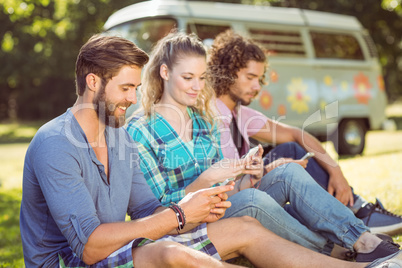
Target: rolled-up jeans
<point>292,205</point>
<point>295,151</point>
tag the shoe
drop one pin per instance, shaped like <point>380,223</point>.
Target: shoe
<point>384,249</point>
<point>384,237</point>
<point>393,261</point>
<point>380,220</point>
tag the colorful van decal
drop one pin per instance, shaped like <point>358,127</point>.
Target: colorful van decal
<point>362,88</point>
<point>298,98</point>
<point>344,86</point>
<point>265,100</point>
<point>274,76</point>
<point>281,109</point>
<point>328,80</point>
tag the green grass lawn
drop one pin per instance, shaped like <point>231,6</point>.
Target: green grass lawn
<point>10,242</point>
<point>376,173</point>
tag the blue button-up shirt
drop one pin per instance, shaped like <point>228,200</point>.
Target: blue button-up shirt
<point>66,193</point>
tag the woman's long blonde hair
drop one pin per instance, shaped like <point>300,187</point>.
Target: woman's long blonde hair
<point>168,51</point>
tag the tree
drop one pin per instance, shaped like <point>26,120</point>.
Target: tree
<point>41,39</point>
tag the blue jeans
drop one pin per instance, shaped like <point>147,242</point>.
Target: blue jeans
<point>295,151</point>
<point>312,217</point>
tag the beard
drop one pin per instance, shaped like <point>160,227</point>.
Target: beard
<point>236,98</point>
<point>105,110</point>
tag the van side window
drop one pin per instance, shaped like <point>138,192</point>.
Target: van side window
<point>279,43</point>
<point>206,31</point>
<point>336,46</point>
<point>370,45</point>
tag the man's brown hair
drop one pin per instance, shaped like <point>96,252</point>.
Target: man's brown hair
<point>229,53</point>
<point>105,56</point>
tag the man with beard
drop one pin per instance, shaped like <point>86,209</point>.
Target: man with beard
<point>237,66</point>
<point>81,178</point>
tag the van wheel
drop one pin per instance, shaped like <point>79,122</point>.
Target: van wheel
<point>350,137</point>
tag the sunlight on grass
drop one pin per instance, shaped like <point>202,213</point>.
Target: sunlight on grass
<point>12,164</point>
<point>18,132</point>
<point>378,173</point>
<point>10,242</point>
<point>394,109</point>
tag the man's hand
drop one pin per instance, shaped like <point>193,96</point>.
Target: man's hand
<point>282,161</point>
<point>220,208</point>
<point>206,205</point>
<point>339,186</point>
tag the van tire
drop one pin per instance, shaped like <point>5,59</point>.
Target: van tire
<point>350,137</point>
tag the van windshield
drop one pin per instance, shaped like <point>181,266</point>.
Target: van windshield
<point>144,33</point>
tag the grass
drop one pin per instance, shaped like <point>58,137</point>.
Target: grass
<point>376,173</point>
<point>18,132</point>
<point>10,242</point>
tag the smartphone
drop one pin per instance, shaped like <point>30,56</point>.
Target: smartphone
<point>307,156</point>
<point>251,152</point>
<point>227,181</point>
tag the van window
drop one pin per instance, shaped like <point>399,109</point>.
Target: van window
<point>370,45</point>
<point>206,31</point>
<point>145,33</point>
<point>336,46</point>
<point>279,43</point>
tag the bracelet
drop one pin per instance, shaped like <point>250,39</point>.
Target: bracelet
<point>255,186</point>
<point>181,218</point>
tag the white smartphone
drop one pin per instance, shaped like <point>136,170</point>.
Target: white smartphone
<point>251,152</point>
<point>227,181</point>
<point>307,156</point>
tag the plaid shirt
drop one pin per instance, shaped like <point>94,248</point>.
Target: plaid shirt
<point>168,163</point>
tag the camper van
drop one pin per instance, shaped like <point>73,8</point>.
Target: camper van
<point>324,75</point>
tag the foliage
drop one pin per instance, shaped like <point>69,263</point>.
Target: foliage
<point>41,39</point>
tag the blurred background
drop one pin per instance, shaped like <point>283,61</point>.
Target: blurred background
<point>41,39</point>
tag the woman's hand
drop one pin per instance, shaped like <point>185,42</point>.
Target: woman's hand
<point>255,166</point>
<point>218,172</point>
<point>224,169</point>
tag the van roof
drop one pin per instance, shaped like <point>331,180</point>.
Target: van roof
<point>226,11</point>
